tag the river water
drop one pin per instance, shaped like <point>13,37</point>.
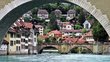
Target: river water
<point>54,57</point>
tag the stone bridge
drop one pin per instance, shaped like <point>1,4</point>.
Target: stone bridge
<point>66,48</point>
<point>11,10</point>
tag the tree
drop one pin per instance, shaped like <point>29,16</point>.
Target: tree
<point>53,22</point>
<point>99,32</point>
<point>77,26</point>
<point>81,17</point>
<point>84,30</point>
<point>47,40</point>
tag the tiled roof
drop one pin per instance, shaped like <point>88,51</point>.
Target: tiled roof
<point>28,25</point>
<point>62,24</point>
<point>56,32</point>
<point>71,11</point>
<point>42,11</point>
<point>57,11</point>
<point>81,40</point>
<point>72,30</point>
<point>88,34</point>
<point>70,40</point>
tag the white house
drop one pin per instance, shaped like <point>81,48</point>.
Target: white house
<point>87,25</point>
<point>66,25</point>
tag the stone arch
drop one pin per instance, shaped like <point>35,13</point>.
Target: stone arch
<point>10,13</point>
<point>84,47</point>
<point>46,46</point>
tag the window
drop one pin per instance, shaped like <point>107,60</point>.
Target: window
<point>30,40</point>
<point>26,47</point>
<point>11,35</point>
<point>18,36</point>
<point>68,26</point>
<point>34,39</point>
<point>26,41</point>
<point>87,26</point>
<point>22,40</point>
<point>22,46</point>
<point>17,48</point>
<point>17,41</point>
<point>11,43</point>
<point>14,42</point>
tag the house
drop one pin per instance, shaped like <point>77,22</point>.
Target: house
<point>55,33</point>
<point>42,13</point>
<point>71,14</point>
<point>40,29</point>
<point>65,25</point>
<point>58,13</point>
<point>3,48</point>
<point>12,37</point>
<point>89,37</point>
<point>22,38</point>
<point>87,25</point>
<point>71,32</point>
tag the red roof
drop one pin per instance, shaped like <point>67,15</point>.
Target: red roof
<point>89,34</point>
<point>70,40</point>
<point>28,25</point>
<point>56,32</point>
<point>72,30</point>
<point>81,40</point>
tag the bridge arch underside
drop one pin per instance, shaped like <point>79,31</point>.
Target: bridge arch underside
<point>48,48</point>
<point>8,19</point>
<point>81,49</point>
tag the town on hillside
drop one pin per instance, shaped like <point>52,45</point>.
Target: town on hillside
<point>45,27</point>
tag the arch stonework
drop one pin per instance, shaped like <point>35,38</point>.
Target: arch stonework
<point>41,47</point>
<point>90,47</point>
<point>12,11</point>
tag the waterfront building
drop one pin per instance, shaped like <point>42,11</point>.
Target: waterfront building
<point>21,38</point>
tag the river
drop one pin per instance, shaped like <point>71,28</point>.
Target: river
<point>55,57</point>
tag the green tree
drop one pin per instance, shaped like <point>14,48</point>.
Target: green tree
<point>77,26</point>
<point>53,23</point>
<point>47,40</point>
<point>84,30</point>
<point>99,32</point>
